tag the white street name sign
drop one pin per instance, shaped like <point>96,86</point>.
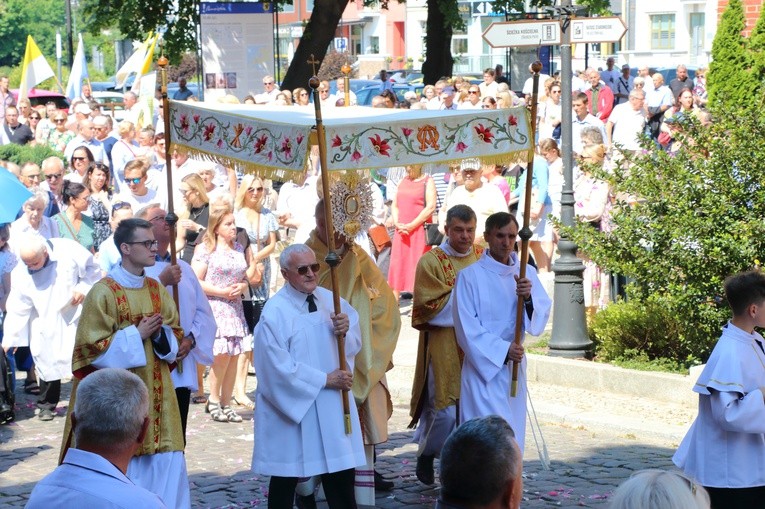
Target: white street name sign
<point>608,29</point>
<point>523,33</point>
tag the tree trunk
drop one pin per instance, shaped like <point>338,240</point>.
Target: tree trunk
<point>318,34</point>
<point>438,41</point>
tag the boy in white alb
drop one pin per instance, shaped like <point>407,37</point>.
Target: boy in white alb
<point>725,448</point>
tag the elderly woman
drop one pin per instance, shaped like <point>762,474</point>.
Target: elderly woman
<point>300,97</point>
<point>33,219</point>
<point>125,150</point>
<point>60,136</point>
<point>657,489</point>
<point>194,219</point>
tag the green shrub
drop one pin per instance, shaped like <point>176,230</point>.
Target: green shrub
<point>21,154</point>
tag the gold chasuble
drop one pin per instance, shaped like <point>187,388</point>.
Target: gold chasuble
<point>434,280</point>
<point>108,308</point>
<point>362,284</point>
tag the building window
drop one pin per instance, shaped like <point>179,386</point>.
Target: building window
<point>374,44</point>
<point>663,31</point>
<point>309,5</point>
<point>287,7</point>
<point>459,46</point>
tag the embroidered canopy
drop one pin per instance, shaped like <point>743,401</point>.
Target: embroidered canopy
<point>276,140</point>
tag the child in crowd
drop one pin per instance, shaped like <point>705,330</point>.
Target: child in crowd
<point>724,450</point>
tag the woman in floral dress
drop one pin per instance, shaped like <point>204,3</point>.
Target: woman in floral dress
<point>225,271</point>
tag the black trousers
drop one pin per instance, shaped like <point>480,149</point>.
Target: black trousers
<point>737,498</point>
<point>50,394</point>
<point>184,397</point>
<point>338,487</point>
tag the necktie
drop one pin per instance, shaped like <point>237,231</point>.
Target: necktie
<point>311,303</point>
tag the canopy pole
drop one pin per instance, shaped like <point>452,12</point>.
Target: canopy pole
<point>525,232</point>
<point>332,259</point>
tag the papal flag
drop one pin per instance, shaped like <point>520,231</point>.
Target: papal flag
<point>35,69</point>
<point>134,64</point>
<point>79,72</point>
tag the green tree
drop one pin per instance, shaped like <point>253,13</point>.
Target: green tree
<point>731,80</point>
<point>757,49</point>
<point>19,18</point>
<point>684,222</point>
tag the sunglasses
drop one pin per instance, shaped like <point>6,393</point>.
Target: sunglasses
<point>134,181</point>
<point>148,244</point>
<point>303,269</point>
<point>268,82</point>
<point>486,106</point>
<point>472,91</point>
<point>34,118</point>
<point>77,158</point>
<point>254,189</point>
<point>60,120</point>
<point>53,176</point>
<point>120,205</point>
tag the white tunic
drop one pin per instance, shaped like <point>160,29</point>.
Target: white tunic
<point>725,447</point>
<point>484,322</point>
<point>88,480</point>
<point>196,318</point>
<point>299,430</point>
<point>39,310</point>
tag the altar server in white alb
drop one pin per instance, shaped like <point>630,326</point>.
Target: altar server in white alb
<point>485,301</point>
<point>724,450</point>
<point>299,428</point>
<point>44,307</point>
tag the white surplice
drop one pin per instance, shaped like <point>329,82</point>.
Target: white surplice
<point>162,473</point>
<point>299,429</point>
<point>484,306</point>
<point>725,447</point>
<point>196,318</point>
<point>39,310</point>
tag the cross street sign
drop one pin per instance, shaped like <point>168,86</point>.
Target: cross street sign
<point>523,33</point>
<point>608,29</point>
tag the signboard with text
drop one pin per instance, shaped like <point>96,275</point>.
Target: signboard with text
<point>523,33</point>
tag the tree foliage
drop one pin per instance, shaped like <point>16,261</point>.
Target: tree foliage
<point>731,80</point>
<point>38,18</point>
<point>696,220</point>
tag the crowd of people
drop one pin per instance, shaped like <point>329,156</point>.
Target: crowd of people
<point>90,252</point>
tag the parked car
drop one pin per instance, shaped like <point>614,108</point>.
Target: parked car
<point>365,95</point>
<point>172,88</point>
<point>669,73</point>
<point>39,97</point>
<point>112,103</point>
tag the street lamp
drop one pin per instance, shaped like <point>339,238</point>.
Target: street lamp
<point>569,333</point>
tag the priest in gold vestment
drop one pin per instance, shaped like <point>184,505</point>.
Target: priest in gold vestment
<point>363,285</point>
<point>130,321</point>
<point>436,387</point>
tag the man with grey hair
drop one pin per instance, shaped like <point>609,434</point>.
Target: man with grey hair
<point>44,307</point>
<point>110,419</point>
<point>600,97</point>
<point>629,120</point>
<point>132,108</point>
<point>481,466</point>
<point>298,411</point>
<point>681,82</point>
<point>53,170</point>
<point>85,138</point>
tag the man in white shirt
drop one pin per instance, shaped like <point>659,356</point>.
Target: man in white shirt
<point>610,76</point>
<point>85,138</point>
<point>270,91</point>
<point>624,85</point>
<point>484,302</point>
<point>110,420</point>
<point>138,194</point>
<point>489,86</point>
<point>581,119</point>
<point>629,121</point>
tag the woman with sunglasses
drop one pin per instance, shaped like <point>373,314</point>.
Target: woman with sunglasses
<point>225,270</point>
<point>97,182</point>
<point>550,113</point>
<point>261,227</point>
<point>125,150</point>
<point>72,223</point>
<point>33,121</point>
<point>194,219</point>
<point>300,97</point>
<point>82,160</point>
<point>60,136</point>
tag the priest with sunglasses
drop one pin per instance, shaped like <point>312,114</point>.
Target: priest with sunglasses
<point>299,429</point>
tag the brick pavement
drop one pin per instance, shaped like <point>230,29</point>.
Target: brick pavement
<point>588,461</point>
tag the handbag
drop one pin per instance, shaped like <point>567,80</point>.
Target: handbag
<point>379,236</point>
<point>433,237</point>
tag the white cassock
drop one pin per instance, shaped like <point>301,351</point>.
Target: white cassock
<point>725,447</point>
<point>484,321</point>
<point>39,311</point>
<point>299,429</point>
<point>196,318</point>
<point>163,473</point>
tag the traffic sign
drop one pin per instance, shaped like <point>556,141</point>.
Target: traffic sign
<point>341,44</point>
<point>523,33</point>
<point>608,29</point>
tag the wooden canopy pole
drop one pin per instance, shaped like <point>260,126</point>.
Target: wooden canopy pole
<point>332,259</point>
<point>525,232</point>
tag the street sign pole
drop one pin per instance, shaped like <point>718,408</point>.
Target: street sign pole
<point>569,333</point>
